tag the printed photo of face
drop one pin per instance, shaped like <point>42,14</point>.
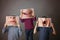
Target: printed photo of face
<point>44,21</point>
<point>27,12</point>
<point>10,20</point>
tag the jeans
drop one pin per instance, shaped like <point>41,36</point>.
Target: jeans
<point>13,32</point>
<point>44,33</point>
<point>29,34</point>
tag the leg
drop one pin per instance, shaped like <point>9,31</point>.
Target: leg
<point>27,34</point>
<point>31,34</point>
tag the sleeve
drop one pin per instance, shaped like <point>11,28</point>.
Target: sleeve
<point>4,30</point>
<point>19,32</point>
<point>22,20</point>
<point>34,18</point>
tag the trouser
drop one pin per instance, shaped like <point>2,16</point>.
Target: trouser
<point>44,33</point>
<point>29,34</point>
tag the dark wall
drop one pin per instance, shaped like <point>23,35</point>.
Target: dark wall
<point>48,8</point>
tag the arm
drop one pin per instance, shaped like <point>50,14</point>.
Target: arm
<point>34,18</point>
<point>54,32</point>
<point>17,21</point>
<point>33,14</point>
<point>4,28</point>
<point>35,27</point>
<point>53,29</point>
<point>5,25</point>
<point>19,29</point>
<point>18,25</point>
<point>21,13</point>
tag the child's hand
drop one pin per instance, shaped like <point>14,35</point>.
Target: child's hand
<point>34,32</point>
<point>54,33</point>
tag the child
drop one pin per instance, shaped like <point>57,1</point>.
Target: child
<point>12,26</point>
<point>44,27</point>
<point>27,16</point>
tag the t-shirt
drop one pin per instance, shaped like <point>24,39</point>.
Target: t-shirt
<point>28,23</point>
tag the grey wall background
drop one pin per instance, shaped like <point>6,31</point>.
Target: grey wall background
<point>50,8</point>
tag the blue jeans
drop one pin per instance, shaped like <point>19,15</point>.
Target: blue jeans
<point>13,32</point>
<point>44,33</point>
<point>29,34</point>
